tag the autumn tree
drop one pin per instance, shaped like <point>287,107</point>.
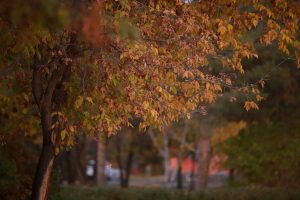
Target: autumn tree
<point>94,65</point>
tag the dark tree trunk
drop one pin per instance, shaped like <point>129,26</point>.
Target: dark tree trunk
<point>43,173</point>
<point>128,169</point>
<point>45,97</point>
<point>231,176</point>
<point>69,168</point>
<point>45,164</point>
<point>119,159</point>
<point>179,169</point>
<point>192,177</point>
<point>125,173</point>
<point>165,154</point>
<point>179,177</point>
<point>80,169</point>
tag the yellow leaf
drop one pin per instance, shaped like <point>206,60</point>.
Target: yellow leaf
<point>229,27</point>
<point>89,99</point>
<point>250,105</point>
<point>26,97</point>
<point>259,98</point>
<point>262,83</point>
<point>185,74</point>
<point>228,81</point>
<point>72,129</point>
<point>78,102</point>
<point>123,55</point>
<point>154,113</point>
<point>222,30</point>
<point>63,134</point>
<point>155,50</point>
<point>217,87</point>
<point>254,22</point>
<point>145,105</point>
<point>56,150</point>
<point>207,86</point>
<point>110,129</point>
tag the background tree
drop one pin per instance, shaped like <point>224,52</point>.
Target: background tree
<point>130,147</point>
<point>161,143</point>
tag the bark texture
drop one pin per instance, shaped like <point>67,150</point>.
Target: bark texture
<point>101,157</point>
<point>203,163</point>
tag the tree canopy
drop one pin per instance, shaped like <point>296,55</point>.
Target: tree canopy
<point>139,58</point>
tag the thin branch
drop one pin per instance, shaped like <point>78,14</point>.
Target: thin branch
<point>37,85</point>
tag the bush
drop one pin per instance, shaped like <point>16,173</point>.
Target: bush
<point>266,154</point>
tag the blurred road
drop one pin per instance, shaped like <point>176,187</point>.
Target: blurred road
<point>215,180</point>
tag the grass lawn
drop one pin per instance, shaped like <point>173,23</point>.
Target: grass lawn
<point>115,193</point>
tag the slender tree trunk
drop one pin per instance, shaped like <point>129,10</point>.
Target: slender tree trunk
<point>80,168</point>
<point>231,176</point>
<point>192,177</point>
<point>179,171</point>
<point>101,157</point>
<point>128,167</point>
<point>166,159</point>
<point>125,173</point>
<point>119,159</point>
<point>70,167</point>
<point>203,163</point>
<point>179,178</point>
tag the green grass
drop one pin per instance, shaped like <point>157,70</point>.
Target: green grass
<point>113,193</point>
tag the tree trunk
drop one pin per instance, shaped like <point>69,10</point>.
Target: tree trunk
<point>128,167</point>
<point>80,168</point>
<point>101,154</point>
<point>127,171</point>
<point>43,173</point>
<point>203,163</point>
<point>179,178</point>
<point>45,164</point>
<point>179,170</point>
<point>231,176</point>
<point>45,99</point>
<point>192,177</point>
<point>70,167</point>
<point>166,159</point>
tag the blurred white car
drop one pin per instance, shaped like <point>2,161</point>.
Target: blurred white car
<point>111,173</point>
